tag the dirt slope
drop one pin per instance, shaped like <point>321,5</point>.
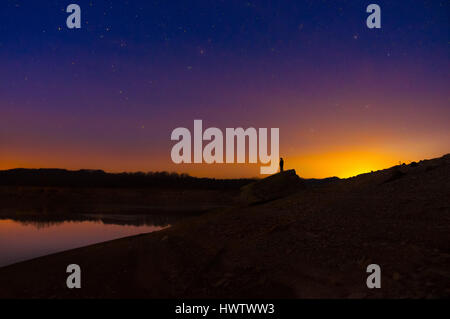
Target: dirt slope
<point>314,243</point>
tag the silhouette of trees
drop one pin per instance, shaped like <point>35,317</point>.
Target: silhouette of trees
<point>99,178</point>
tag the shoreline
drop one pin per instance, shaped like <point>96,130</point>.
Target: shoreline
<point>313,243</point>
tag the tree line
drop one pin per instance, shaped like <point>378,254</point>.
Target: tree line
<point>99,178</point>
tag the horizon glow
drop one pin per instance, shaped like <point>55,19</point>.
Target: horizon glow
<point>347,99</point>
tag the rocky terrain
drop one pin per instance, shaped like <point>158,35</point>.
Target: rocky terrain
<point>313,241</point>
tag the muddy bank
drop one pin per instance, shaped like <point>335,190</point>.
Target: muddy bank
<point>314,243</point>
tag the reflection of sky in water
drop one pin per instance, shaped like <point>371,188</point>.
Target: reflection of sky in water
<point>25,240</point>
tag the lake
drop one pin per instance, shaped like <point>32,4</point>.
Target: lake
<point>30,238</point>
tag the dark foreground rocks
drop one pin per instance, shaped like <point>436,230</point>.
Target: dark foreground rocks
<point>313,243</point>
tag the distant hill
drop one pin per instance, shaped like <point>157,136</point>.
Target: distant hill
<point>99,178</point>
<point>308,242</point>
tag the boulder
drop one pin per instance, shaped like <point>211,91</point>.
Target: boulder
<point>272,187</point>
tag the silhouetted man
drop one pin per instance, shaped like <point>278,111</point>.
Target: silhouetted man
<point>281,164</point>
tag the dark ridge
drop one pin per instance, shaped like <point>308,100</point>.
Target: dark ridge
<point>319,181</point>
<point>99,178</point>
<point>396,174</point>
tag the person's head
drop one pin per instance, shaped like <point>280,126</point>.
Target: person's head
<point>281,158</point>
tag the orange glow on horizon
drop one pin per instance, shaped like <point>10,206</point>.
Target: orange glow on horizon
<point>342,164</point>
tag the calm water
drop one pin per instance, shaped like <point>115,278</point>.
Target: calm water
<point>22,240</point>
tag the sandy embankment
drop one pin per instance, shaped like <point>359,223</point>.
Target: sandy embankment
<point>316,242</point>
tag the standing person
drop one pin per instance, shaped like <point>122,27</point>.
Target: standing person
<point>281,164</point>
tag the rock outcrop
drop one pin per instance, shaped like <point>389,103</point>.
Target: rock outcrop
<point>272,187</point>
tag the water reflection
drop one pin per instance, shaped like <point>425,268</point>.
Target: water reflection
<point>23,237</point>
<point>43,221</point>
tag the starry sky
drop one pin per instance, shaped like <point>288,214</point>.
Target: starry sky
<point>347,99</point>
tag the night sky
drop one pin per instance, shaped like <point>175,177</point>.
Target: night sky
<point>347,99</point>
